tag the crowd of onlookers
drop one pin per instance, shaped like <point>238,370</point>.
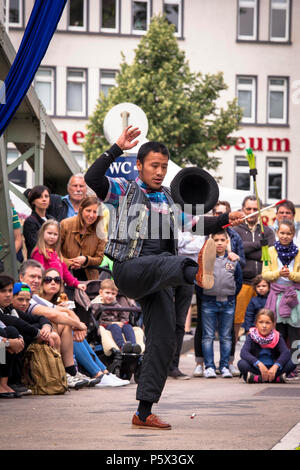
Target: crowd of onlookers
<point>59,248</point>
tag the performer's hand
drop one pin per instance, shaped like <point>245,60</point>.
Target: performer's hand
<point>236,218</point>
<point>126,140</point>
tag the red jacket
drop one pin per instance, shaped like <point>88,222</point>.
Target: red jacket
<point>55,263</point>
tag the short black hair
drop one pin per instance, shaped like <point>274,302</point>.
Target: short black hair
<point>220,232</point>
<point>151,146</point>
<point>36,192</point>
<point>6,280</point>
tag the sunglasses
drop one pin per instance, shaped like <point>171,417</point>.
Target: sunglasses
<point>49,279</point>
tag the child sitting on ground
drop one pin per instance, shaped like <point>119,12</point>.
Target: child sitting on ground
<point>116,321</point>
<point>262,288</point>
<point>265,356</point>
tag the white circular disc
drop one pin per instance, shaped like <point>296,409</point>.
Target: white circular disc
<point>114,122</point>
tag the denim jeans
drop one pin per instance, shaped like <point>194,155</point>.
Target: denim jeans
<point>87,358</point>
<point>221,314</point>
<point>118,332</point>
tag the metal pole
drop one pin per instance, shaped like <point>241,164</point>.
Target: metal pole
<point>7,241</point>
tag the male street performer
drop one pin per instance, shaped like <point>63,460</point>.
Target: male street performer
<point>146,264</point>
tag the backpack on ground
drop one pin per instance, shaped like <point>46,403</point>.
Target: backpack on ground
<point>43,370</point>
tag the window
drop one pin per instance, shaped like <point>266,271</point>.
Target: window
<point>80,159</point>
<point>77,15</point>
<point>246,94</point>
<point>76,92</point>
<point>15,12</point>
<point>279,20</point>
<point>44,86</point>
<point>242,175</point>
<point>107,80</point>
<point>173,12</point>
<point>247,19</point>
<point>110,16</point>
<point>276,179</point>
<point>140,16</point>
<point>277,100</point>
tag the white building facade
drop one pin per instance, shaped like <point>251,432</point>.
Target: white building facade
<point>255,43</point>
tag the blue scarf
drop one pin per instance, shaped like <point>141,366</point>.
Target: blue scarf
<point>286,253</point>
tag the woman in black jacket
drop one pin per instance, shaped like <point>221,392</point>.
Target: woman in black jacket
<point>39,200</point>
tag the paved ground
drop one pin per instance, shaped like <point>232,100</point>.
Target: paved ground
<point>229,415</point>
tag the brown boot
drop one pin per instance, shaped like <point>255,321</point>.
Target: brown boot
<point>206,262</point>
<point>152,422</point>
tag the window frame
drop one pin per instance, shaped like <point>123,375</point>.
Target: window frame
<point>84,82</point>
<point>284,120</point>
<point>21,16</point>
<point>179,33</point>
<point>109,80</point>
<point>253,118</point>
<point>83,28</point>
<point>270,200</point>
<point>139,32</point>
<point>237,159</point>
<point>52,111</point>
<point>248,4</point>
<point>78,155</point>
<point>115,30</point>
<point>288,9</point>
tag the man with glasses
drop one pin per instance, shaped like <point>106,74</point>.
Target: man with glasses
<point>250,233</point>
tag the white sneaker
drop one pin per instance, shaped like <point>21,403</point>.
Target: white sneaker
<point>118,380</point>
<point>108,381</point>
<point>210,373</point>
<point>91,382</point>
<point>225,373</point>
<point>74,381</point>
<point>198,372</point>
<point>234,370</point>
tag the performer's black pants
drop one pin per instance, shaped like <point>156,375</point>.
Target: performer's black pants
<point>183,299</point>
<point>150,280</point>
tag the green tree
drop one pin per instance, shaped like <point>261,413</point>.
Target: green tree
<point>181,106</point>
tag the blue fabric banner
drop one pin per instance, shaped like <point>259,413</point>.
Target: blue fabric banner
<point>37,36</point>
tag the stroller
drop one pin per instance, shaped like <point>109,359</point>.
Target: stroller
<point>120,363</point>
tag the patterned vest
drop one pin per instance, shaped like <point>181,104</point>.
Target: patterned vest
<point>129,224</point>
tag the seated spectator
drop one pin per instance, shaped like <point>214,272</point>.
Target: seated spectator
<point>39,200</point>
<point>287,211</point>
<point>14,344</point>
<point>116,321</point>
<point>258,302</point>
<point>31,327</point>
<point>20,304</point>
<point>67,206</point>
<point>47,252</point>
<point>265,356</point>
<point>51,290</point>
<point>81,246</point>
<point>63,320</point>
